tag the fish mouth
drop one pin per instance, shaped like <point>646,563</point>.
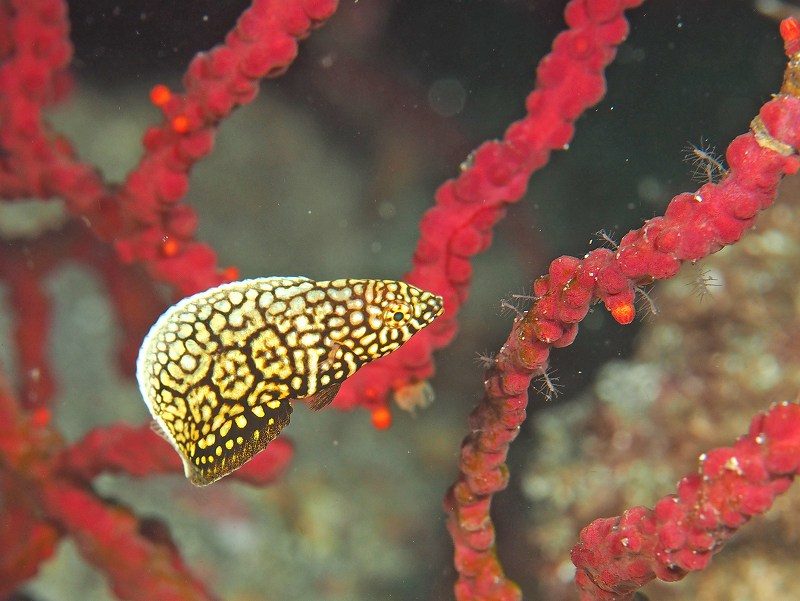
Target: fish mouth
<point>429,307</point>
<point>438,306</point>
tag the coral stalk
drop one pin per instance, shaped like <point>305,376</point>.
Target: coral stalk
<point>46,486</point>
<point>616,556</point>
<point>693,226</point>
<point>459,226</point>
<point>143,216</point>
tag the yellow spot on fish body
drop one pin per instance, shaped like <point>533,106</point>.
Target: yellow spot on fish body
<point>258,345</point>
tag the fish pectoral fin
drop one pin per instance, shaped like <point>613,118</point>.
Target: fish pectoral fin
<point>323,397</point>
<point>335,346</point>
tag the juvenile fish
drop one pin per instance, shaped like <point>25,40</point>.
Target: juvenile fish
<point>219,369</point>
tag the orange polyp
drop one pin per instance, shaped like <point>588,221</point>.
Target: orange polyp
<point>381,418</point>
<point>160,95</point>
<point>624,314</point>
<point>180,124</point>
<point>41,417</point>
<point>169,247</point>
<point>790,30</point>
<point>230,273</point>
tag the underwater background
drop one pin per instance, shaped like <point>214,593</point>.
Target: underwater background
<point>327,175</point>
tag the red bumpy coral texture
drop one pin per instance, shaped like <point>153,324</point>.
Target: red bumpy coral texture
<point>459,226</point>
<point>694,225</point>
<point>616,556</point>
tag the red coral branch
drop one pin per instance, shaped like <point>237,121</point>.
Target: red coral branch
<point>616,556</point>
<point>569,80</point>
<point>263,44</point>
<point>45,485</point>
<point>35,540</point>
<point>24,268</point>
<point>114,540</point>
<point>137,452</point>
<point>694,226</point>
<point>24,264</point>
<point>141,216</point>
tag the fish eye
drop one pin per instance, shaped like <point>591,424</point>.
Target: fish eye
<point>396,314</point>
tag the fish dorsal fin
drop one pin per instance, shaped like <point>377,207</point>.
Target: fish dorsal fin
<point>323,397</point>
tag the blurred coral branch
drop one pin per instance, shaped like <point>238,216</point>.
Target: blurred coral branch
<point>46,485</point>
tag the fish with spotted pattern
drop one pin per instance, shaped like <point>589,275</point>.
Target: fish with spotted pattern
<point>219,369</point>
